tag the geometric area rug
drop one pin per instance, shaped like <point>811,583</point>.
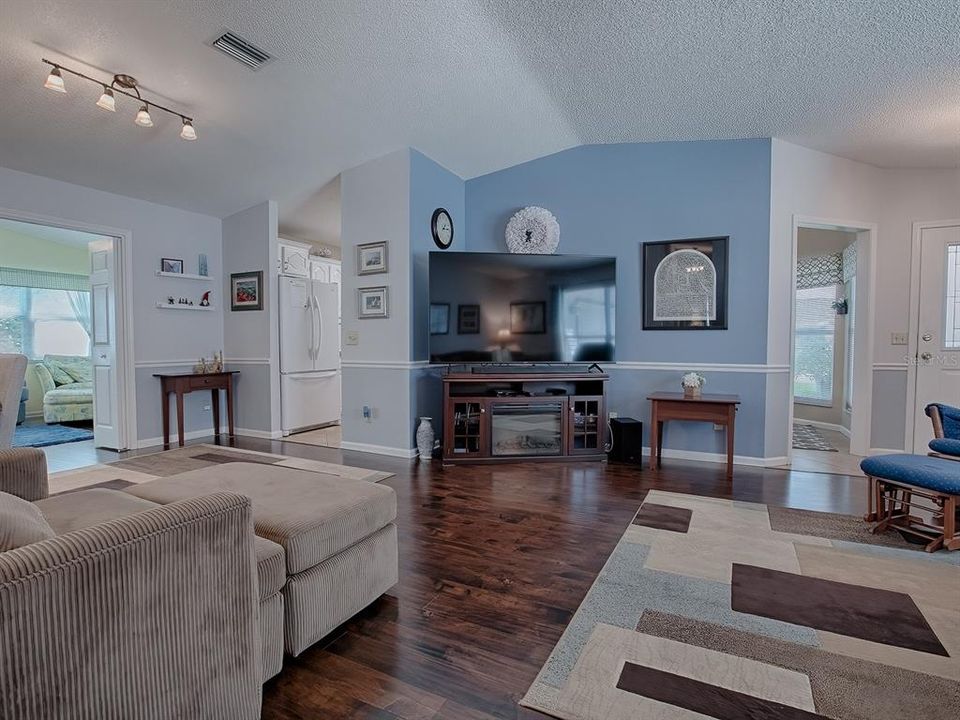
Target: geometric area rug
<point>143,468</point>
<point>712,608</point>
<point>808,437</point>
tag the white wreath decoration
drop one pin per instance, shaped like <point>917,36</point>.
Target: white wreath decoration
<point>533,230</point>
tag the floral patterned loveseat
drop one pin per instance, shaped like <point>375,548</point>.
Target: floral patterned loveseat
<point>67,384</point>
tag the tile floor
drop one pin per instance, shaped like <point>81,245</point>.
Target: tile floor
<point>840,462</point>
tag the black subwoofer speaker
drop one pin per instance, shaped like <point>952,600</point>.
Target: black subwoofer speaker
<point>627,436</point>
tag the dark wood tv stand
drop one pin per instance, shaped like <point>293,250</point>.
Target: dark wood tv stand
<point>555,414</point>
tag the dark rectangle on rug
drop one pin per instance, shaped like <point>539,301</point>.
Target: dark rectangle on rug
<point>704,698</point>
<point>224,458</point>
<point>663,517</point>
<point>881,616</point>
<point>107,484</point>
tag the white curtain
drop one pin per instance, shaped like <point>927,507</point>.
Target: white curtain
<point>80,304</point>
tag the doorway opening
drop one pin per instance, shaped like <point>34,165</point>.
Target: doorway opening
<point>933,356</point>
<point>59,288</point>
<point>831,357</point>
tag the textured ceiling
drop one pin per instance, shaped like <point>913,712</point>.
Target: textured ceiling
<point>477,85</point>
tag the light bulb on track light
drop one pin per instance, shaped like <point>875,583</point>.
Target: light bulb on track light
<point>143,117</point>
<point>107,101</point>
<point>55,81</point>
<point>187,132</point>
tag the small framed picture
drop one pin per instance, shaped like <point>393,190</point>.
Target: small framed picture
<point>202,267</point>
<point>439,318</point>
<point>528,318</point>
<point>246,290</point>
<point>372,258</point>
<point>468,319</point>
<point>171,265</point>
<point>372,303</point>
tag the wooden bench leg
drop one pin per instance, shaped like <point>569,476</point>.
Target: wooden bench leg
<point>950,539</point>
<point>871,515</point>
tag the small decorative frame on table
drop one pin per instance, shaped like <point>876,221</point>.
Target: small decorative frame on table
<point>372,258</point>
<point>246,290</point>
<point>372,302</point>
<point>171,265</point>
<point>439,318</point>
<point>685,284</point>
<point>528,318</point>
<point>468,319</point>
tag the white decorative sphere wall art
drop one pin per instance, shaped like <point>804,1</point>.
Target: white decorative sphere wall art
<point>533,231</point>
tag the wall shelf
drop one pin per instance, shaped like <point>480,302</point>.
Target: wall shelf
<point>168,306</point>
<point>183,276</point>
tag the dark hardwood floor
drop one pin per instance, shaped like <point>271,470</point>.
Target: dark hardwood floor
<point>494,560</point>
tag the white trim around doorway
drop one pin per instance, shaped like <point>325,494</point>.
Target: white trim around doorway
<point>126,379</point>
<point>863,355</point>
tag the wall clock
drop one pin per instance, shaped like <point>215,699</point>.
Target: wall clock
<point>441,226</point>
<point>533,230</point>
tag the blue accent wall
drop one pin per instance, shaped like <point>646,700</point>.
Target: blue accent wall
<point>609,199</point>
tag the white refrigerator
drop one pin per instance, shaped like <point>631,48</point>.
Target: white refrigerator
<point>309,353</point>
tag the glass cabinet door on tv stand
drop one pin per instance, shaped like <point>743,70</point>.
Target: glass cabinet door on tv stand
<point>468,437</point>
<point>586,429</point>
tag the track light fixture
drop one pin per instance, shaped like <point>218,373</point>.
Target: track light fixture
<point>124,85</point>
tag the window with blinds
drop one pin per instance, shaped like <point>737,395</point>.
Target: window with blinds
<point>814,346</point>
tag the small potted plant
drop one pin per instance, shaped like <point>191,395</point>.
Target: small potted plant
<point>692,384</point>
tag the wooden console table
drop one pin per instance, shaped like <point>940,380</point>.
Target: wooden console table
<point>717,409</point>
<point>184,383</point>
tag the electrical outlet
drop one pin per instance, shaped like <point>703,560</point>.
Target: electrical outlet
<point>717,427</point>
<point>614,414</point>
<point>367,413</point>
<point>352,338</point>
<point>206,407</point>
<point>898,338</point>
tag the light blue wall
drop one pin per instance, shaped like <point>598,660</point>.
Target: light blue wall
<point>431,186</point>
<point>608,200</point>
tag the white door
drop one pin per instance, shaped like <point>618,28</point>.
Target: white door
<point>103,344</point>
<point>298,326</point>
<point>326,298</point>
<point>938,330</point>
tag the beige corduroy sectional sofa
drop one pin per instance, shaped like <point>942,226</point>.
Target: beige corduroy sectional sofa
<point>177,597</point>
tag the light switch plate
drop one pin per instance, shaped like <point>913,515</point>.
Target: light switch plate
<point>898,338</point>
<point>353,337</point>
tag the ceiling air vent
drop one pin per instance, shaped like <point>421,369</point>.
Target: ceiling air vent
<point>240,50</point>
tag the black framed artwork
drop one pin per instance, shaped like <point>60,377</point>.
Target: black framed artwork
<point>528,318</point>
<point>468,319</point>
<point>685,284</point>
<point>439,318</point>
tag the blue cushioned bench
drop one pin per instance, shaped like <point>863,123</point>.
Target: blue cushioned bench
<point>902,485</point>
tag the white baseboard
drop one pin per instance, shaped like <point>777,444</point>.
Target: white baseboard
<point>407,454</point>
<point>823,425</point>
<point>886,451</point>
<point>720,458</point>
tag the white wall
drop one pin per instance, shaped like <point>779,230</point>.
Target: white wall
<point>375,206</point>
<point>163,339</point>
<point>251,337</point>
<point>811,183</point>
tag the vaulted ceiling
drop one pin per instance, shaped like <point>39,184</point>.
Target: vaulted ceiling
<point>476,84</point>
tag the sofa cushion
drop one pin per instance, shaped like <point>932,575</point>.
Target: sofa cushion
<point>932,473</point>
<point>59,375</point>
<point>69,394</point>
<point>271,567</point>
<point>84,508</point>
<point>21,523</point>
<point>312,515</point>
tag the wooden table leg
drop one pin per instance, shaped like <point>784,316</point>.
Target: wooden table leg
<point>180,417</point>
<point>230,405</point>
<point>165,405</point>
<point>731,425</point>
<point>659,443</point>
<point>215,406</point>
<point>654,436</point>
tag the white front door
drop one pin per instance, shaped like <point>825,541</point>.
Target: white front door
<point>103,342</point>
<point>938,330</point>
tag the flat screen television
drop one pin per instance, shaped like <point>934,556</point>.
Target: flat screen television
<point>503,308</point>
